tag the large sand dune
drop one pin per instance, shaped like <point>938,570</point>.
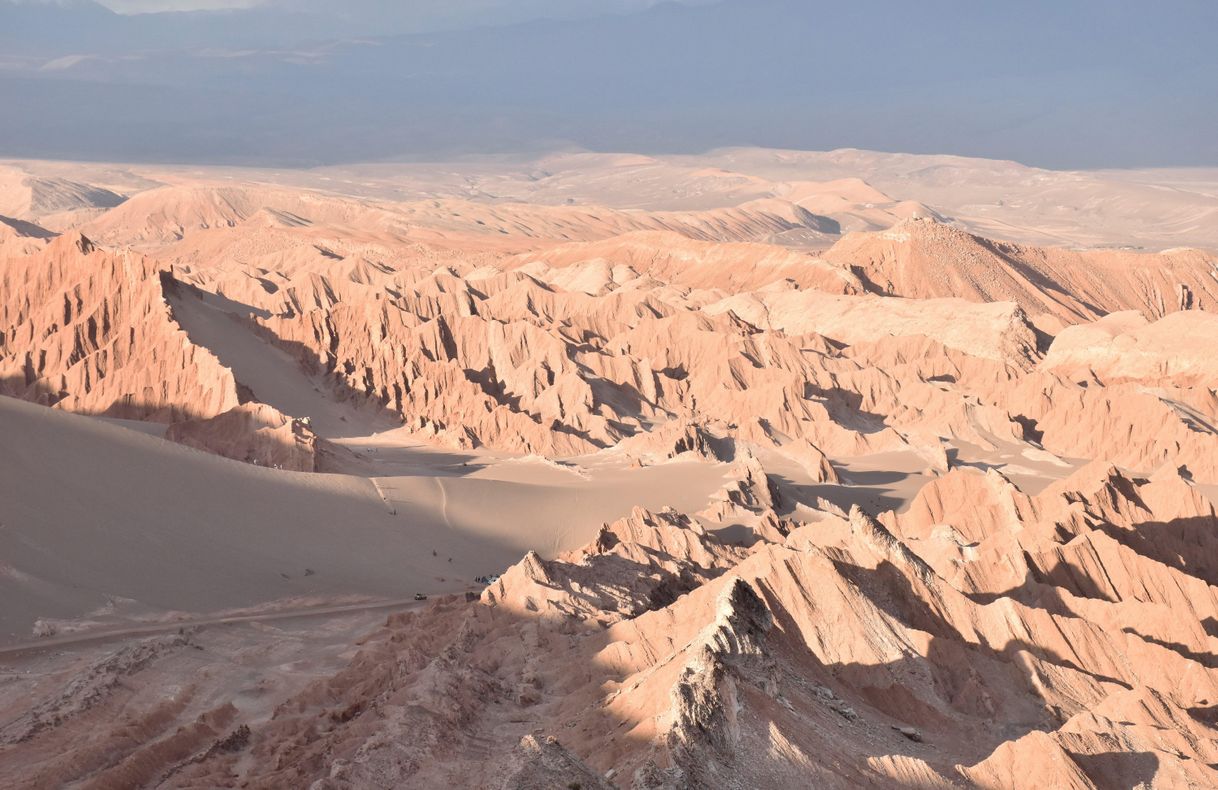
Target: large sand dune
<point>843,468</point>
<point>104,523</point>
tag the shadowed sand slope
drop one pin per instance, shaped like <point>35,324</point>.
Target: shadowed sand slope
<point>103,523</point>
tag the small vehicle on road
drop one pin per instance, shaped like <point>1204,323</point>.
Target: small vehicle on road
<point>420,597</point>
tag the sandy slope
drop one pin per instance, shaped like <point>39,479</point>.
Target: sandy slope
<point>272,376</point>
<point>184,531</point>
<point>206,533</point>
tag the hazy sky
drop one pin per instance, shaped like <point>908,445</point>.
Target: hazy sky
<point>1057,83</point>
<point>399,8</point>
<point>153,6</point>
<point>150,6</point>
<point>398,14</point>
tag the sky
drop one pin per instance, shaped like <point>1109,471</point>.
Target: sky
<point>1054,83</point>
<point>464,9</point>
<point>155,6</point>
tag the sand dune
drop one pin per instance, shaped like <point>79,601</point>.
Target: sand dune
<point>185,533</point>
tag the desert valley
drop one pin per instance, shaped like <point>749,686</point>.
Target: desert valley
<point>754,468</point>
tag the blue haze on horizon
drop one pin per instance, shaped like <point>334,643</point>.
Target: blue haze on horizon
<point>1065,84</point>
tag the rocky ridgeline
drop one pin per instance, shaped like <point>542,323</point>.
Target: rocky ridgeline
<point>88,330</point>
<point>559,354</point>
<point>980,637</point>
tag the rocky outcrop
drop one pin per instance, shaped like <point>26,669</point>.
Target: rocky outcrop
<point>1122,347</point>
<point>641,562</point>
<point>88,330</point>
<point>704,733</point>
<point>541,764</point>
<point>922,258</point>
<point>254,433</point>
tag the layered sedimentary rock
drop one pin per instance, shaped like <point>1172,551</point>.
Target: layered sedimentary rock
<point>88,330</point>
<point>1173,350</point>
<point>510,361</point>
<point>923,258</point>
